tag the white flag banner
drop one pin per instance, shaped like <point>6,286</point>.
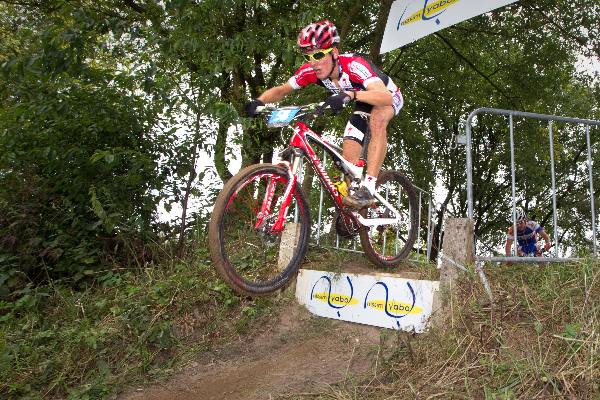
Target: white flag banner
<point>410,20</point>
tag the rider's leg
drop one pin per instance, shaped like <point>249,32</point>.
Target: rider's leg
<point>380,117</point>
<point>354,134</point>
<point>351,150</point>
<point>377,148</point>
<point>538,249</point>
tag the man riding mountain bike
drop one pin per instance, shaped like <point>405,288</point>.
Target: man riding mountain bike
<point>350,78</point>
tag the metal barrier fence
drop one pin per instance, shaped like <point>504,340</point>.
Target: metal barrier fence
<point>325,224</point>
<point>550,118</point>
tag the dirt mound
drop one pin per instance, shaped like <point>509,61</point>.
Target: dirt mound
<point>297,353</point>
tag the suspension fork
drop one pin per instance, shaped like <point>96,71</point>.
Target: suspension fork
<point>265,209</point>
<point>293,169</point>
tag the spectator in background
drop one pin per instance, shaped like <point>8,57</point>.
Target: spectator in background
<point>527,237</point>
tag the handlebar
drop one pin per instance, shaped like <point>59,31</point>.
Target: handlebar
<point>305,107</point>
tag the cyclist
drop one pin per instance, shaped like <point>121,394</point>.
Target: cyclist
<point>350,78</point>
<point>527,237</point>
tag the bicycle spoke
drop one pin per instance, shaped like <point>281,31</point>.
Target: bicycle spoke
<point>387,245</point>
<point>247,252</point>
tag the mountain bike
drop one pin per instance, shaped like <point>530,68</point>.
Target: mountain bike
<point>260,225</point>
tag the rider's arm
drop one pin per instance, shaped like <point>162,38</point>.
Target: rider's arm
<point>545,236</point>
<point>376,94</point>
<point>508,247</point>
<point>276,93</point>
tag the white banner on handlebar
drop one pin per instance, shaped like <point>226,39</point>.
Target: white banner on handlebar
<point>282,116</point>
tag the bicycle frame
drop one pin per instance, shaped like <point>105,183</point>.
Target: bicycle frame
<point>299,142</point>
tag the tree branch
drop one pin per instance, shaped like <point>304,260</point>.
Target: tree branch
<point>474,67</point>
<point>564,32</point>
<point>379,30</point>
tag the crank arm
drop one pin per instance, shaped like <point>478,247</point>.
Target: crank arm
<point>381,221</point>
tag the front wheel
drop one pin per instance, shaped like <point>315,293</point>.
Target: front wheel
<point>248,251</point>
<point>388,245</point>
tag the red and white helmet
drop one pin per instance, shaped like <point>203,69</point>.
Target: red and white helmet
<point>318,36</point>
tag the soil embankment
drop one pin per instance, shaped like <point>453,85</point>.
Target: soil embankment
<point>296,353</point>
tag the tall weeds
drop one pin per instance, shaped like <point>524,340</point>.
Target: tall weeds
<point>539,340</point>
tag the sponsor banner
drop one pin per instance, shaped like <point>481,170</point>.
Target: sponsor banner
<point>381,299</point>
<point>410,20</point>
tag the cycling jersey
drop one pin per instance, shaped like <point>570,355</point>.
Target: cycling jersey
<point>355,73</point>
<point>526,238</point>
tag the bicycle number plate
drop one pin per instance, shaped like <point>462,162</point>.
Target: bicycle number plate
<point>282,117</point>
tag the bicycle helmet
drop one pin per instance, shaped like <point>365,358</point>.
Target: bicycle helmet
<point>318,36</point>
<point>520,215</point>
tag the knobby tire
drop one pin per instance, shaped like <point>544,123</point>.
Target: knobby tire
<point>374,247</point>
<point>248,258</point>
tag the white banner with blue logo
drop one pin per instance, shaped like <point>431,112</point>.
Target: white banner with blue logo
<point>410,20</point>
<point>381,300</point>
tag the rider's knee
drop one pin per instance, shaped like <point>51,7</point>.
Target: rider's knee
<point>378,126</point>
<point>380,117</point>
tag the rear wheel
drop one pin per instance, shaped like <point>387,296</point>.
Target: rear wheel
<point>388,245</point>
<point>252,257</point>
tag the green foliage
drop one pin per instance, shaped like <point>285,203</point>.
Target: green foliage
<point>78,166</point>
<point>59,343</point>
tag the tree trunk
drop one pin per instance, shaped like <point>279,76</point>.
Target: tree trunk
<point>347,23</point>
<point>191,177</point>
<point>221,142</point>
<point>384,12</point>
<point>220,149</point>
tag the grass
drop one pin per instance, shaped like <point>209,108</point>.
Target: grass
<point>125,328</point>
<point>540,340</point>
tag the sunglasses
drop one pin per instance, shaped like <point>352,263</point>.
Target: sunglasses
<point>317,55</point>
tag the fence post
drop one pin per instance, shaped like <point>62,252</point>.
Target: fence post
<point>457,251</point>
<point>458,247</point>
<point>287,247</point>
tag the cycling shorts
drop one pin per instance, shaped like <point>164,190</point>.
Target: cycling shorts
<point>530,249</point>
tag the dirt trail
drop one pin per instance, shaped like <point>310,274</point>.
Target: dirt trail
<point>298,353</point>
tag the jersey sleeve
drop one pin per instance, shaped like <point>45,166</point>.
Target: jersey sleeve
<point>535,226</point>
<point>360,71</point>
<point>303,76</point>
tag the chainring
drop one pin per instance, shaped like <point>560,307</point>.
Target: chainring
<point>345,227</point>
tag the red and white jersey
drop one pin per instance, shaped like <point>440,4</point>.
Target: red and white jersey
<point>356,73</point>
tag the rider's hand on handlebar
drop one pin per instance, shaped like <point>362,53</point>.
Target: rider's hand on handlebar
<point>250,107</point>
<point>336,102</point>
<point>546,246</point>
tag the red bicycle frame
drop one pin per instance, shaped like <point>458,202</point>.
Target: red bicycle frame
<point>300,141</point>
